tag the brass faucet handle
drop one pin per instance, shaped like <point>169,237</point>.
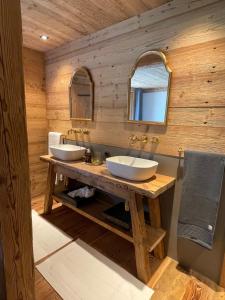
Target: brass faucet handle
<point>85,131</point>
<point>133,139</point>
<point>180,151</point>
<point>155,140</point>
<point>143,139</point>
<point>77,130</point>
<point>70,131</point>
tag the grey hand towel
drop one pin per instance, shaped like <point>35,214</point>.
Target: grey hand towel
<point>201,192</point>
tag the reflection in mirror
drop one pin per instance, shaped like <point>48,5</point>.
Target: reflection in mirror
<point>81,95</point>
<point>148,91</point>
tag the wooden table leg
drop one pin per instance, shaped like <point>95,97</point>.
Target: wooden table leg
<point>139,236</point>
<point>50,189</point>
<point>155,218</point>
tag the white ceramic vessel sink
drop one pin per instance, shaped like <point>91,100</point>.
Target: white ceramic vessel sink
<point>67,152</point>
<point>131,168</point>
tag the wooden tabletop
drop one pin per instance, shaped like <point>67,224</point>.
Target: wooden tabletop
<point>152,187</point>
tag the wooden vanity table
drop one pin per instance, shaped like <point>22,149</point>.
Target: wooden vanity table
<point>145,238</point>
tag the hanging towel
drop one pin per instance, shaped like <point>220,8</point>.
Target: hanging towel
<point>54,138</point>
<point>201,191</point>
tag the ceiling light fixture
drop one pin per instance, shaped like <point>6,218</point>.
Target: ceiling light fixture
<point>44,37</point>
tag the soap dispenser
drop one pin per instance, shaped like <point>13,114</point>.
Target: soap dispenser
<point>88,156</point>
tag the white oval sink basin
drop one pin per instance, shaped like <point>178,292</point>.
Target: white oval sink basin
<point>131,168</point>
<point>67,152</point>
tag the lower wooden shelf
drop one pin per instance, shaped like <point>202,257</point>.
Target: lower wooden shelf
<point>93,211</point>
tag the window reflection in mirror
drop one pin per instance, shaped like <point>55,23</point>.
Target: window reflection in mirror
<point>149,89</point>
<point>81,95</point>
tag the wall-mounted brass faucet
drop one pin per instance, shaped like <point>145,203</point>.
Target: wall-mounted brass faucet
<point>70,131</point>
<point>74,131</point>
<point>143,139</point>
<point>134,138</point>
<point>84,131</point>
<point>78,130</point>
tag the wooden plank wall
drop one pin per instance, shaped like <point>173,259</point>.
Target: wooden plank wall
<point>192,34</point>
<point>65,20</point>
<point>36,117</point>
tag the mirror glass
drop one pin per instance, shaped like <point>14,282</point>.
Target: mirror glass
<point>149,89</point>
<point>81,95</point>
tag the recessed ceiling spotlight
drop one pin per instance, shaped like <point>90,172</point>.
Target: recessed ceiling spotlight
<point>44,37</point>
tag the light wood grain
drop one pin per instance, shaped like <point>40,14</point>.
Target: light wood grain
<point>15,204</point>
<point>100,177</point>
<point>94,213</point>
<point>195,291</point>
<point>49,189</point>
<point>139,235</point>
<point>175,283</point>
<point>65,21</point>
<point>155,218</point>
<point>35,98</point>
<point>162,35</point>
<point>195,54</point>
<point>149,18</point>
<point>159,272</point>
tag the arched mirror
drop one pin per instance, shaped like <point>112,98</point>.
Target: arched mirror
<point>81,95</point>
<point>148,90</point>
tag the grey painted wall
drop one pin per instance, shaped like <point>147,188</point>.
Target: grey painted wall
<point>189,254</point>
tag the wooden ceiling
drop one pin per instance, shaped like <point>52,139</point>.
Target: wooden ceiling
<point>67,20</point>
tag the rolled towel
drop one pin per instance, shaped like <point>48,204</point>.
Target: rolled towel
<point>84,192</point>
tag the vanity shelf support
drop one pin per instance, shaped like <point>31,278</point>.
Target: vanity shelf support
<point>140,237</point>
<point>49,189</point>
<point>155,219</point>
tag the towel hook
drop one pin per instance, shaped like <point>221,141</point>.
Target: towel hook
<point>180,151</point>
